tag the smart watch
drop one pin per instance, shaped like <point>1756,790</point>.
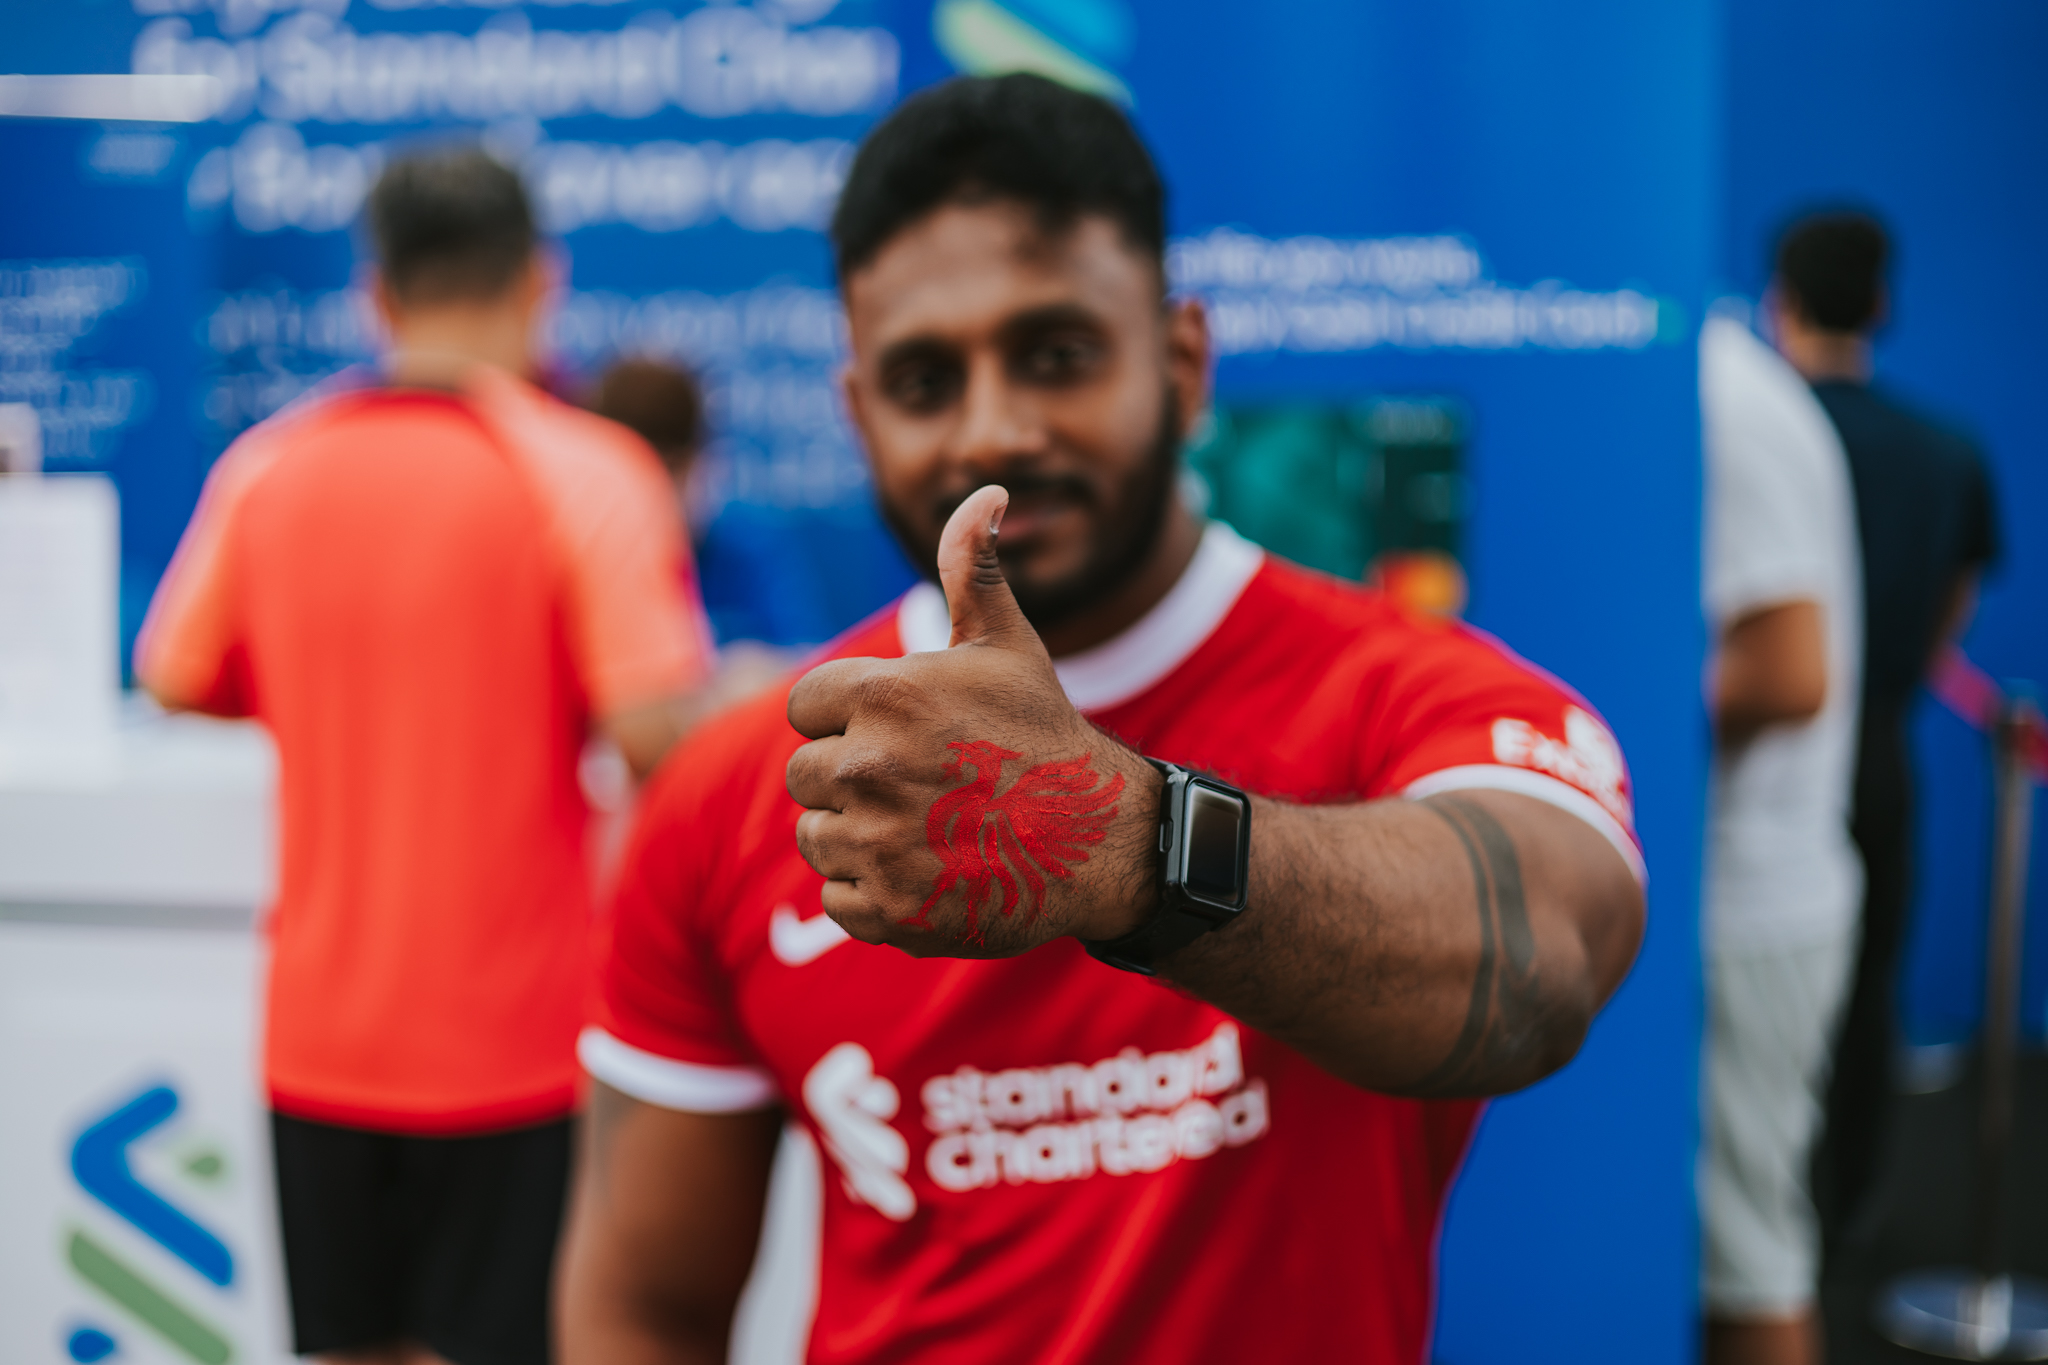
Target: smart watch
<point>1205,844</point>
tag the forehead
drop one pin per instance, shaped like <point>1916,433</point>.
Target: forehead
<point>964,269</point>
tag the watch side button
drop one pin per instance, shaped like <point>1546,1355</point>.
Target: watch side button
<point>1165,835</point>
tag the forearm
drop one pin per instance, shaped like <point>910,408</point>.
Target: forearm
<point>1771,669</point>
<point>645,733</point>
<point>1454,946</point>
<point>219,698</point>
<point>627,1334</point>
<point>611,1311</point>
<point>661,1232</point>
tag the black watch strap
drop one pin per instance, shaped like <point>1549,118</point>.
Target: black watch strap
<point>1189,907</point>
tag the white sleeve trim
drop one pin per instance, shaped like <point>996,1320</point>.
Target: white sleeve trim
<point>671,1084</point>
<point>1542,786</point>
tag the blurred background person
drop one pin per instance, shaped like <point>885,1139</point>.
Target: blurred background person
<point>429,590</point>
<point>1781,584</point>
<point>1926,518</point>
<point>664,403</point>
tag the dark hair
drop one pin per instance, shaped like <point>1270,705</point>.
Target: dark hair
<point>1832,264</point>
<point>449,224</point>
<point>1019,137</point>
<point>660,401</point>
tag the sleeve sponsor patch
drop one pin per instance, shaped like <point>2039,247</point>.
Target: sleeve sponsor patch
<point>1587,757</point>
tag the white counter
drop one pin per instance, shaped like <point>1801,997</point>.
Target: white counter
<point>130,885</point>
<point>178,824</point>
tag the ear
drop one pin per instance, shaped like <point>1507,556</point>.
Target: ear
<point>1188,367</point>
<point>850,393</point>
<point>542,277</point>
<point>382,302</point>
<point>1786,305</point>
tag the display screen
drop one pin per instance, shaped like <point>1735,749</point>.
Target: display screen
<point>1213,821</point>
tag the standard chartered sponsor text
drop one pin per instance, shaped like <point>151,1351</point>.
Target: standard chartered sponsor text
<point>717,62</point>
<point>1134,1112</point>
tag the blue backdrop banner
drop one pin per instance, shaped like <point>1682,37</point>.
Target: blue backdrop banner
<point>1504,211</point>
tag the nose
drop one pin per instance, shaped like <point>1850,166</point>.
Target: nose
<point>999,423</point>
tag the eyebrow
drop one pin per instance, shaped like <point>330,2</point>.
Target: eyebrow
<point>1050,317</point>
<point>1031,322</point>
<point>915,348</point>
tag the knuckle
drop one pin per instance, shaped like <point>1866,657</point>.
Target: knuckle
<point>807,846</point>
<point>813,838</point>
<point>870,769</point>
<point>822,675</point>
<point>802,770</point>
<point>888,692</point>
<point>802,694</point>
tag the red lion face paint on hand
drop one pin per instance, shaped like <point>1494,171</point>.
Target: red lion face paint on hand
<point>1044,823</point>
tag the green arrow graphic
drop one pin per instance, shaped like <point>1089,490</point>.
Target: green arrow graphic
<point>112,1277</point>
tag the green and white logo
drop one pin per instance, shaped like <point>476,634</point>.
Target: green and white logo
<point>100,1163</point>
<point>1074,42</point>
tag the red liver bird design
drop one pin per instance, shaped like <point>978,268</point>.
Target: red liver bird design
<point>1048,819</point>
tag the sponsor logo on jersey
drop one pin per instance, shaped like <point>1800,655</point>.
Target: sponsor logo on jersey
<point>852,1107</point>
<point>797,942</point>
<point>1124,1114</point>
<point>1587,757</point>
<point>1130,1113</point>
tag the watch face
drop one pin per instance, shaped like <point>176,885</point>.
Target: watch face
<point>1214,820</point>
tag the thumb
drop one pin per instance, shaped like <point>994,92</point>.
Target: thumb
<point>977,595</point>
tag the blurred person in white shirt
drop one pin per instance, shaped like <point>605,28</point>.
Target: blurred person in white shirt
<point>1782,587</point>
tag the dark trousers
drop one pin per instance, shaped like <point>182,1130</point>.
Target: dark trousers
<point>1860,1091</point>
<point>447,1241</point>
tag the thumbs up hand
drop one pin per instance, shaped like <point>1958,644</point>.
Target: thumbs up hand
<point>958,804</point>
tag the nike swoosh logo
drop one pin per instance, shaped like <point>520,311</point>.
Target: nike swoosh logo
<point>796,942</point>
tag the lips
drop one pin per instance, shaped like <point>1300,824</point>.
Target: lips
<point>1032,515</point>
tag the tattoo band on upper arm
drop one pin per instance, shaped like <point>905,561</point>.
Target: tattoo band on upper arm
<point>1503,1020</point>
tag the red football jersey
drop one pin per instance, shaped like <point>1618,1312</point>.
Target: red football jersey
<point>1045,1159</point>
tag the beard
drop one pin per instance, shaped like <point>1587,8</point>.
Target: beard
<point>1128,521</point>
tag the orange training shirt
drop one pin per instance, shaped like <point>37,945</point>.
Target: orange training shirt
<point>425,597</point>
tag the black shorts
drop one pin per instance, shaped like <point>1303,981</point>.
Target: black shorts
<point>446,1241</point>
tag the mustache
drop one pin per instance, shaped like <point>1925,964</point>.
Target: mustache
<point>1023,485</point>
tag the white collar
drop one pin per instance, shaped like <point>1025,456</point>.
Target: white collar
<point>1157,643</point>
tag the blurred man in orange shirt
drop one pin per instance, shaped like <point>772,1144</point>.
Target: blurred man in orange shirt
<point>430,590</point>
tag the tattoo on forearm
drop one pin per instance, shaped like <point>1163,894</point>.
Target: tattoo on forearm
<point>1504,1023</point>
<point>1046,822</point>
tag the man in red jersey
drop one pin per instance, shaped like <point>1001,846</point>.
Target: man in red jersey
<point>429,589</point>
<point>1406,881</point>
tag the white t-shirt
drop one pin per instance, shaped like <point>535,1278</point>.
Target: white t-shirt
<point>1780,527</point>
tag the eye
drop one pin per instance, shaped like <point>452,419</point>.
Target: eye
<point>1060,359</point>
<point>923,385</point>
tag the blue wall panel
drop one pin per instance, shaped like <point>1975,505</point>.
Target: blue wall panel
<point>1576,146</point>
<point>1528,203</point>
